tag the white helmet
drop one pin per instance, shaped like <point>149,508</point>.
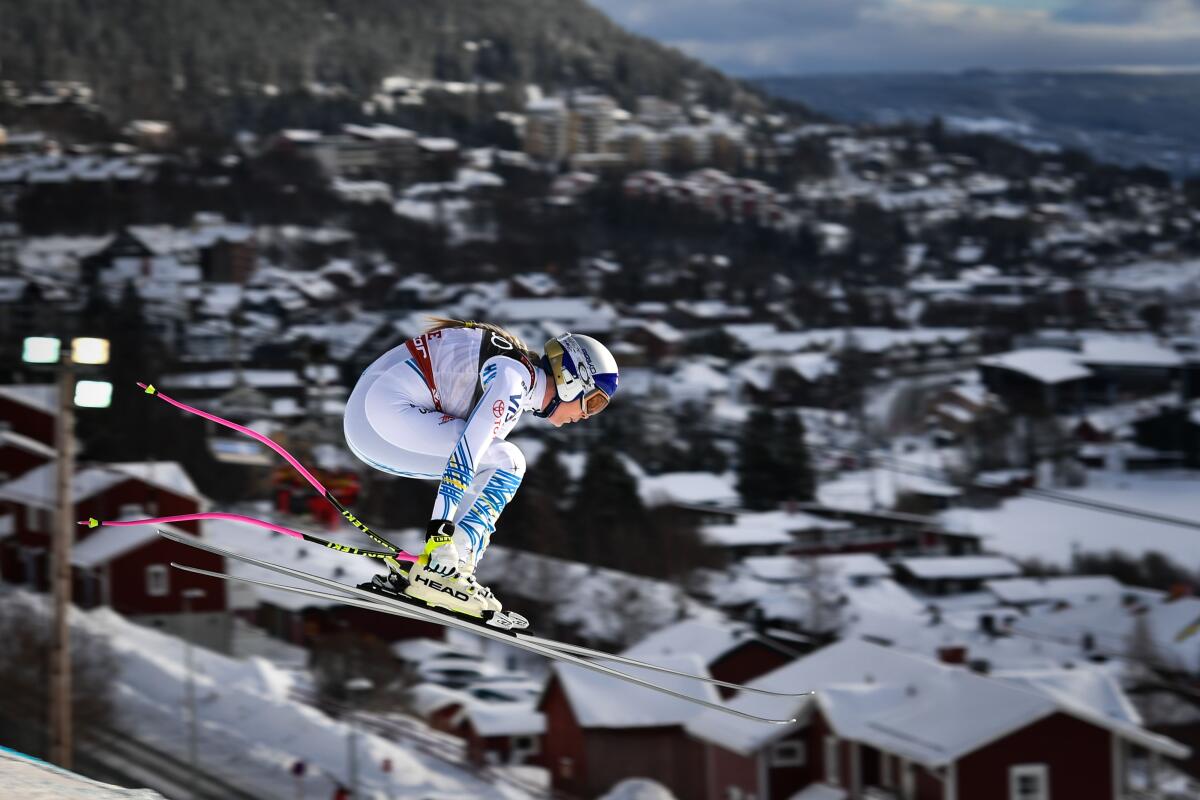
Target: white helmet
<point>582,369</point>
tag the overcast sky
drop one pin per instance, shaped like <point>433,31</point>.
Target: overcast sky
<point>770,37</point>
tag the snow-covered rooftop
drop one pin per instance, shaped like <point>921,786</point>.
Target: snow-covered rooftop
<point>912,706</point>
<point>707,640</point>
<point>506,719</point>
<point>38,487</point>
<point>577,313</point>
<point>1026,527</point>
<point>41,396</point>
<point>1070,588</point>
<point>1127,351</point>
<point>106,544</point>
<point>694,488</point>
<point>21,442</point>
<point>935,567</point>
<point>596,703</point>
<point>1043,364</point>
<point>787,568</point>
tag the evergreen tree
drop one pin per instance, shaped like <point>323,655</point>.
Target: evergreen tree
<point>704,456</point>
<point>533,521</point>
<point>797,479</point>
<point>120,432</point>
<point>758,466</point>
<point>608,521</point>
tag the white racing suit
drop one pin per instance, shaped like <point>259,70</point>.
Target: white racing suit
<point>439,406</point>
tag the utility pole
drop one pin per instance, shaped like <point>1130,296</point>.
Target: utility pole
<point>48,352</point>
<point>64,533</point>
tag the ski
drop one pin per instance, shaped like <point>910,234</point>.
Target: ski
<point>600,655</point>
<point>375,602</point>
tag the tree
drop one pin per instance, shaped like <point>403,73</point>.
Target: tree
<point>1154,315</point>
<point>758,468</point>
<point>534,520</point>
<point>608,520</point>
<point>797,480</point>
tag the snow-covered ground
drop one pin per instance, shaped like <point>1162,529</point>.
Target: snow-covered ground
<point>1025,527</point>
<point>31,779</point>
<point>250,731</point>
<point>1180,279</point>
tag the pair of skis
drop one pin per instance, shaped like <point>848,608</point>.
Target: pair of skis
<point>583,657</point>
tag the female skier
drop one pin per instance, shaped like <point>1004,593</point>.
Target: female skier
<point>440,406</point>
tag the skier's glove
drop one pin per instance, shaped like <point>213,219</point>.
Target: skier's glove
<point>440,555</point>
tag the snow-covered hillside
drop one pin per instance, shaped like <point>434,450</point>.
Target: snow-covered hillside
<point>250,731</point>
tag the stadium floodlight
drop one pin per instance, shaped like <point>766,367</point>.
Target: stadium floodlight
<point>41,350</point>
<point>89,350</point>
<point>93,394</point>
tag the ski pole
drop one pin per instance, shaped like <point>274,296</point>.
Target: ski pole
<point>399,555</point>
<point>308,476</point>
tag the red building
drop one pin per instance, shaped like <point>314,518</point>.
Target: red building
<point>884,723</point>
<point>659,340</point>
<point>126,569</point>
<point>502,733</point>
<point>732,653</point>
<point>26,428</point>
<point>600,731</point>
<point>19,454</point>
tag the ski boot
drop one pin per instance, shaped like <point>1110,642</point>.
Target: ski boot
<point>440,579</point>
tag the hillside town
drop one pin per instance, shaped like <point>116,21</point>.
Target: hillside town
<point>909,419</point>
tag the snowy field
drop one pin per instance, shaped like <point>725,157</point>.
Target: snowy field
<point>1024,527</point>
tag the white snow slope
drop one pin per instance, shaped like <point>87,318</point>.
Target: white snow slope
<point>250,731</point>
<point>31,779</point>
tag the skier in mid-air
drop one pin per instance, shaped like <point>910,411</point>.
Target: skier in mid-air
<point>440,406</point>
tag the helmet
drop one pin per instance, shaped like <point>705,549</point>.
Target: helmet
<point>582,369</point>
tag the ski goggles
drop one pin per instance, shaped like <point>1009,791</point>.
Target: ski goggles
<point>593,401</point>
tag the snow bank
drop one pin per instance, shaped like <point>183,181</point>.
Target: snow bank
<point>31,779</point>
<point>639,789</point>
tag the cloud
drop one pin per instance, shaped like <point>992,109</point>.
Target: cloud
<point>718,20</point>
<point>756,37</point>
<point>1124,12</point>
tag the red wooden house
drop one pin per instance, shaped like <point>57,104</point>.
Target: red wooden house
<point>29,409</point>
<point>731,652</point>
<point>502,733</point>
<point>19,454</point>
<point>440,706</point>
<point>661,341</point>
<point>26,428</point>
<point>887,724</point>
<point>600,731</point>
<point>126,569</point>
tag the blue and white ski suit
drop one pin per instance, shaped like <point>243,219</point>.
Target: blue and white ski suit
<point>440,406</point>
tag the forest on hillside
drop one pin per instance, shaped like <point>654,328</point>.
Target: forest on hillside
<point>196,61</point>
